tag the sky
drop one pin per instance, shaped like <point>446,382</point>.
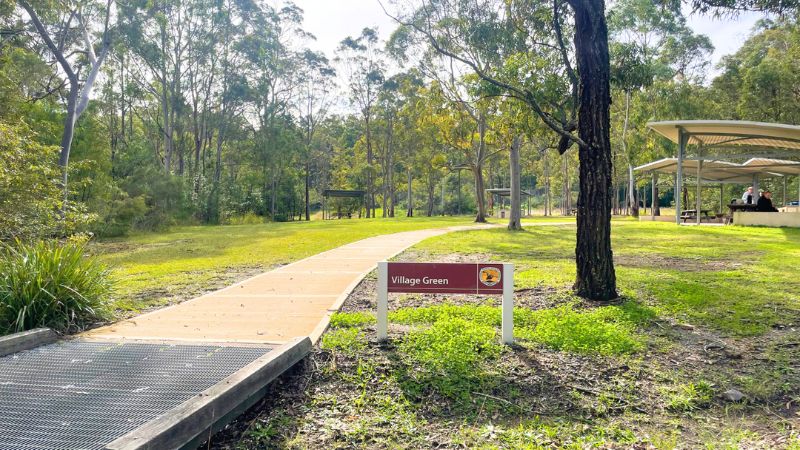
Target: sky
<point>333,20</point>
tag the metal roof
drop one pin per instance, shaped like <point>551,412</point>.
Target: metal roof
<point>722,171</point>
<point>780,166</point>
<point>731,133</point>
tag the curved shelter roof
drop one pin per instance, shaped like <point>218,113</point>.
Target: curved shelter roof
<point>731,134</point>
<point>723,171</point>
<point>712,172</point>
<point>779,166</point>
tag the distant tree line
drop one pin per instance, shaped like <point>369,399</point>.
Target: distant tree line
<point>123,115</point>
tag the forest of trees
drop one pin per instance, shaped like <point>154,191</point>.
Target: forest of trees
<point>133,115</point>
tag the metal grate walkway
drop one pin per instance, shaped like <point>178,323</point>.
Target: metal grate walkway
<point>83,395</point>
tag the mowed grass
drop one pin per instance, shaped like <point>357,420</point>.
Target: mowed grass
<point>152,269</point>
<point>704,310</point>
<point>738,280</point>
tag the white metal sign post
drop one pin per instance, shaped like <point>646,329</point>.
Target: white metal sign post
<point>446,278</point>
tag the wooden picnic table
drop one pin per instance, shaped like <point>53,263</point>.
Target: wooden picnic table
<point>742,207</point>
<point>691,214</point>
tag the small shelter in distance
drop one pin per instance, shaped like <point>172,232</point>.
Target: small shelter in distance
<point>711,151</point>
<point>503,193</point>
<point>341,193</point>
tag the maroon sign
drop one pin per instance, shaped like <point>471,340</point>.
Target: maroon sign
<point>445,278</point>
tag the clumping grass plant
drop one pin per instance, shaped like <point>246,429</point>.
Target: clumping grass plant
<point>51,284</point>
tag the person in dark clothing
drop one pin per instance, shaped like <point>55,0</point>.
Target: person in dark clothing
<point>765,203</point>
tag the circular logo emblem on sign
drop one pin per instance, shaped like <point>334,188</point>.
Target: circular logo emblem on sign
<point>489,276</point>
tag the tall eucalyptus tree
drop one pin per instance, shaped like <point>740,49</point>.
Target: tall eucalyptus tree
<point>362,61</point>
<point>71,39</point>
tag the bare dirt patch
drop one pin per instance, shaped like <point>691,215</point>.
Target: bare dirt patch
<point>683,264</point>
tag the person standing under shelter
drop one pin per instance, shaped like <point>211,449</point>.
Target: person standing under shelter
<point>748,196</point>
<point>765,203</point>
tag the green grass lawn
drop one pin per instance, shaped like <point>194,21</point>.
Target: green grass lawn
<point>159,268</point>
<point>704,310</point>
<point>740,280</point>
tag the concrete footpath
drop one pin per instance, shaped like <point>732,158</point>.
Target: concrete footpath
<point>291,301</point>
<point>170,378</point>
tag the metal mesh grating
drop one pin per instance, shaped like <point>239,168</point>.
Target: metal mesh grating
<point>83,395</point>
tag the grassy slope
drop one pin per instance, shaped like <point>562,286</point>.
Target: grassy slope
<point>153,269</point>
<point>707,309</point>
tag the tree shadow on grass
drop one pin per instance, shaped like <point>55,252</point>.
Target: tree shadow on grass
<point>515,388</point>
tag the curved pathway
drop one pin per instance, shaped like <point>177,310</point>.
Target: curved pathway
<point>291,301</point>
<point>165,378</point>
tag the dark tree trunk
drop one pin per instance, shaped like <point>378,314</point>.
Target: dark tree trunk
<point>596,278</point>
<point>685,197</point>
<point>655,206</point>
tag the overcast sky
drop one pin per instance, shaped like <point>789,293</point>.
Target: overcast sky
<point>332,20</point>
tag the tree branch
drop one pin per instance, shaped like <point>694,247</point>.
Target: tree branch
<point>59,55</point>
<point>528,96</point>
<point>573,77</point>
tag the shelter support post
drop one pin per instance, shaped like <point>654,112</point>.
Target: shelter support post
<point>721,198</point>
<point>382,324</point>
<point>507,306</point>
<point>784,191</point>
<point>653,198</point>
<point>698,197</point>
<point>755,187</point>
<point>682,140</point>
<point>798,193</point>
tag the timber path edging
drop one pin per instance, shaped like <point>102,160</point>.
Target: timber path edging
<point>26,340</point>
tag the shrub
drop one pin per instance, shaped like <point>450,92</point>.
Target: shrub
<point>50,284</point>
<point>30,197</point>
<point>248,218</point>
<point>123,214</point>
